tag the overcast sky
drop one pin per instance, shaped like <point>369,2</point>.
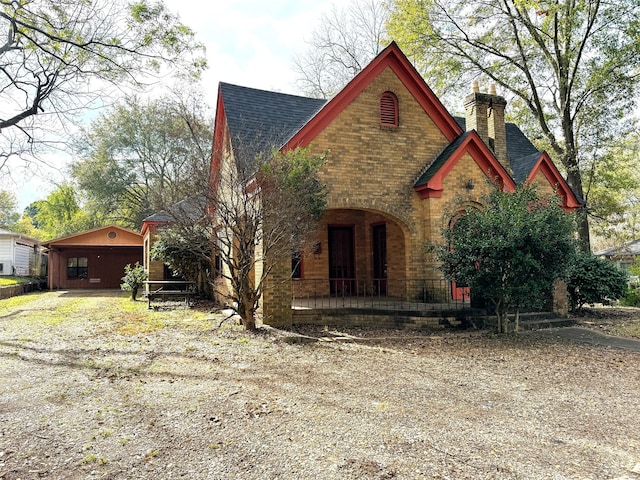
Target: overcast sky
<point>249,42</point>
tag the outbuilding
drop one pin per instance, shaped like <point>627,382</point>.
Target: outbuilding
<point>20,255</point>
<point>92,259</point>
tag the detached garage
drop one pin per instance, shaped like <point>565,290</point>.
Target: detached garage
<point>92,259</point>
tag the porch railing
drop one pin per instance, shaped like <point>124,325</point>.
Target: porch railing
<point>387,294</point>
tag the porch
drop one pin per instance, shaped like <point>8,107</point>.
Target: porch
<point>409,303</point>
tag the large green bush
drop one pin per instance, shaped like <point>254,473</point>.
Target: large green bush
<point>594,280</point>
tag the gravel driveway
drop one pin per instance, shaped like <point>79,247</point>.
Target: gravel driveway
<point>95,386</point>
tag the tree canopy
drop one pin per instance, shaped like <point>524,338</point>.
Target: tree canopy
<point>8,208</point>
<point>613,192</point>
<point>570,67</point>
<point>141,156</point>
<point>62,57</point>
<point>509,251</point>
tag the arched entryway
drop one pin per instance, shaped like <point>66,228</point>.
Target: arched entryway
<point>359,252</point>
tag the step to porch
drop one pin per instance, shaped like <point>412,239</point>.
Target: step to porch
<point>420,319</point>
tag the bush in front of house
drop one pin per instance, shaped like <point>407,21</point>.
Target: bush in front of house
<point>594,280</point>
<point>134,278</point>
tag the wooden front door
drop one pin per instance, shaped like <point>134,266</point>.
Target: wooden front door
<point>341,260</point>
<point>379,240</point>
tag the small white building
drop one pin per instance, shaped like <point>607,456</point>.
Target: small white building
<point>20,255</point>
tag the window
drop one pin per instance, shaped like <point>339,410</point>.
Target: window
<point>218,265</point>
<point>296,265</point>
<point>388,110</point>
<point>77,267</point>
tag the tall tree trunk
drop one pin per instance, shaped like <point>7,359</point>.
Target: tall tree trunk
<point>574,179</point>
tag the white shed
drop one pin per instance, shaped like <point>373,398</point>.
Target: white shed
<point>19,255</point>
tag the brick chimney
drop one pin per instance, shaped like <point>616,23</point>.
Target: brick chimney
<point>484,113</point>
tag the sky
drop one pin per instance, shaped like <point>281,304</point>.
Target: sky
<point>249,42</point>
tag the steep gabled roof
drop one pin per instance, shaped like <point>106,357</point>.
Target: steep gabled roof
<point>521,152</point>
<point>429,184</point>
<point>393,58</point>
<point>545,166</point>
<point>526,161</point>
<point>259,120</point>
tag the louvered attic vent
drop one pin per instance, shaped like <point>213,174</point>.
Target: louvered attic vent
<point>388,110</point>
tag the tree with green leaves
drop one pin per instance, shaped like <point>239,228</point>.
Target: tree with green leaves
<point>570,67</point>
<point>60,214</point>
<point>142,156</point>
<point>614,193</point>
<point>255,212</point>
<point>8,208</point>
<point>60,58</point>
<point>509,251</point>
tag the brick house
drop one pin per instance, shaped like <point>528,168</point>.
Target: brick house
<point>399,163</point>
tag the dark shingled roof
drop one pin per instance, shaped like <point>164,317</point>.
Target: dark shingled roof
<point>523,166</point>
<point>189,208</point>
<point>440,160</point>
<point>260,120</point>
<point>519,149</point>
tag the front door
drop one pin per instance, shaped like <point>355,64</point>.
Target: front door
<point>379,233</point>
<point>341,264</point>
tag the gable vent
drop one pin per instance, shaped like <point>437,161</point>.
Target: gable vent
<point>388,110</point>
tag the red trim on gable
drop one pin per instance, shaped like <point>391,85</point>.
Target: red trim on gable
<point>148,224</point>
<point>219,128</point>
<point>546,167</point>
<point>391,57</point>
<point>483,157</point>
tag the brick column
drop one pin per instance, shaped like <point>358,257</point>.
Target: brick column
<point>276,299</point>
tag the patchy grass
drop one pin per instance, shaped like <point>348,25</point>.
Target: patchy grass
<point>11,280</point>
<point>117,390</point>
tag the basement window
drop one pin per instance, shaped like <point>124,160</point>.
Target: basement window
<point>388,110</point>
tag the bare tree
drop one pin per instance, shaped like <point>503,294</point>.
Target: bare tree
<point>258,211</point>
<point>61,57</point>
<point>343,44</point>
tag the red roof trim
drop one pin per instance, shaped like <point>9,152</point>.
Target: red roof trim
<point>546,167</point>
<point>147,224</point>
<point>391,57</point>
<point>219,128</point>
<point>483,157</point>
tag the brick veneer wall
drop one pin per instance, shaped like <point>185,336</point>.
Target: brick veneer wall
<point>372,169</point>
<point>370,172</point>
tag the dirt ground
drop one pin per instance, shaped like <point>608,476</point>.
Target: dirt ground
<point>95,386</point>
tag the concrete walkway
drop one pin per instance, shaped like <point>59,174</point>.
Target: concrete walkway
<point>588,336</point>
